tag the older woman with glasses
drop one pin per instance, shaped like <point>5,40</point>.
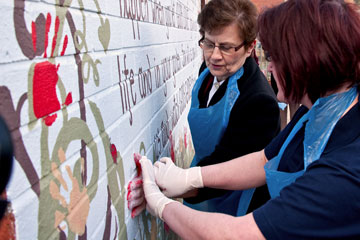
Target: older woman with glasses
<point>231,98</point>
<point>312,168</point>
<point>234,110</point>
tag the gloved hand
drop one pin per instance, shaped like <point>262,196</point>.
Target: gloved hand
<point>135,194</point>
<point>175,181</point>
<point>155,199</point>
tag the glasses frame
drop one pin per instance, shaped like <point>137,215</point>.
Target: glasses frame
<point>200,42</point>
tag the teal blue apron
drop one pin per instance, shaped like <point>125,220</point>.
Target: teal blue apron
<point>207,126</point>
<point>322,118</point>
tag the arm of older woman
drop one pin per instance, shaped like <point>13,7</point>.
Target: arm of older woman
<point>192,224</point>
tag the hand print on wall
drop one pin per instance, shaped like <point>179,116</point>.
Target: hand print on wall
<point>77,209</point>
<point>42,92</point>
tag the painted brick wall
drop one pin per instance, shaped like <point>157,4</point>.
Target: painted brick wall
<point>84,85</point>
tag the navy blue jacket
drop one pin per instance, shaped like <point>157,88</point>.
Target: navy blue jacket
<point>324,203</point>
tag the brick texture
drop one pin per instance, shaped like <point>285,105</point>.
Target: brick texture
<point>84,85</point>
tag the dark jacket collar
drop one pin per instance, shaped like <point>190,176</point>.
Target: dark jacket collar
<point>250,68</point>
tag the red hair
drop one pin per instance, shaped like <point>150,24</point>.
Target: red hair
<point>315,45</point>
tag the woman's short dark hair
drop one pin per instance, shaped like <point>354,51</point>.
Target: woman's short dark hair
<point>315,45</point>
<point>220,13</point>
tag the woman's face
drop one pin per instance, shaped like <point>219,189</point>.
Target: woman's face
<point>280,95</point>
<point>224,65</point>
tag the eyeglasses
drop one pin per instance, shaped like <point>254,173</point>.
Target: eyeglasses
<point>267,56</point>
<point>209,47</point>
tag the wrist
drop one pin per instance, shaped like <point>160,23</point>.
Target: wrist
<point>162,205</point>
<point>166,212</point>
<point>195,177</point>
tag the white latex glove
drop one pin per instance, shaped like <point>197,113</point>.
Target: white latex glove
<point>135,196</point>
<point>175,181</point>
<point>155,199</point>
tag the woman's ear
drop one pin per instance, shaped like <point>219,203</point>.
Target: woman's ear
<point>252,46</point>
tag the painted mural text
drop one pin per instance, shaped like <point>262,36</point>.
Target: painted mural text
<point>144,79</point>
<point>175,15</point>
<point>180,100</point>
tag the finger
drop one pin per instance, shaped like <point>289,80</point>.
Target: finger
<point>135,202</point>
<point>136,211</point>
<point>168,161</point>
<point>158,172</point>
<point>137,158</point>
<point>148,170</point>
<point>135,194</point>
<point>136,183</point>
<point>165,159</point>
<point>159,169</point>
<point>165,192</point>
<point>159,164</point>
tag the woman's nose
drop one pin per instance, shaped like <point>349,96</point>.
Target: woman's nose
<point>216,54</point>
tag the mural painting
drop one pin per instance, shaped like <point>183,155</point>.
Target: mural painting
<point>85,87</point>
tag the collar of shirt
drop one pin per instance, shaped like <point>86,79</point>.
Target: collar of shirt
<point>216,85</point>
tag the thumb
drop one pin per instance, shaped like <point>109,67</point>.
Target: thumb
<point>166,160</point>
<point>147,169</point>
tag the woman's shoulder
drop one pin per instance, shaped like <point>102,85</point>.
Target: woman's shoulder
<point>346,133</point>
<point>254,79</point>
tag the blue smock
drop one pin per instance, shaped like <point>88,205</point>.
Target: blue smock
<point>207,126</point>
<point>322,118</point>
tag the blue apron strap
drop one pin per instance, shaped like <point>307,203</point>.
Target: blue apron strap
<point>322,117</point>
<point>244,202</point>
<point>274,164</point>
<point>207,126</point>
<point>247,194</point>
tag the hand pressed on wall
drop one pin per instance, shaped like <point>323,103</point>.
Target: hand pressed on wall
<point>175,181</point>
<point>156,200</point>
<point>135,194</point>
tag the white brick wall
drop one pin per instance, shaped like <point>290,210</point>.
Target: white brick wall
<point>84,85</point>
